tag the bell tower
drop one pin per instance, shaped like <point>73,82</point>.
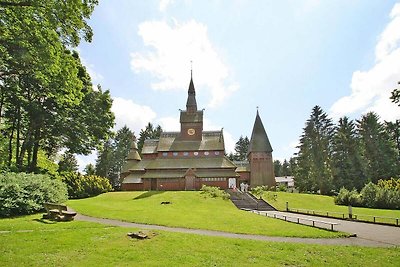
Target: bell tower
<point>260,156</point>
<point>191,119</point>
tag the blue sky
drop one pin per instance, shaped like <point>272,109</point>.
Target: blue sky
<point>283,56</point>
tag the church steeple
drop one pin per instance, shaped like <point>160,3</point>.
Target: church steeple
<point>259,141</point>
<point>191,104</point>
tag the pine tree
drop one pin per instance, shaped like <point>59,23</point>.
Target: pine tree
<point>148,133</point>
<point>277,168</point>
<point>378,150</point>
<point>68,163</point>
<point>313,172</point>
<point>241,148</point>
<point>348,170</point>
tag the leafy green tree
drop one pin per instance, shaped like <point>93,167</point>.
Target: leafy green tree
<point>149,132</point>
<point>68,163</point>
<point>277,168</point>
<point>314,172</point>
<point>44,89</point>
<point>379,151</point>
<point>348,169</point>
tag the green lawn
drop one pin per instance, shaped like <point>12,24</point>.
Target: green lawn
<point>190,210</point>
<point>89,244</point>
<point>325,204</point>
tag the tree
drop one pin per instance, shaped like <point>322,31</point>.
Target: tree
<point>121,146</point>
<point>277,168</point>
<point>44,89</point>
<point>313,172</point>
<point>89,169</point>
<point>393,130</point>
<point>113,155</point>
<point>68,163</point>
<point>150,132</point>
<point>348,169</point>
<point>396,96</point>
<point>378,150</point>
<point>104,159</point>
<point>285,168</point>
<point>241,148</point>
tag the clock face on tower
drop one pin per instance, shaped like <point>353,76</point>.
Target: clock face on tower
<point>191,131</point>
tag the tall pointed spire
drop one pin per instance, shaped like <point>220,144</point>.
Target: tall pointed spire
<point>191,104</point>
<point>259,141</point>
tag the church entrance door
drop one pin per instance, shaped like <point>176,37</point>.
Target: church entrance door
<point>189,182</point>
<point>153,184</point>
<point>232,182</point>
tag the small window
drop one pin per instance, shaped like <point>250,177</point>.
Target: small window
<point>216,152</point>
<point>206,153</point>
<point>165,154</point>
<point>175,154</point>
<point>186,153</point>
<point>196,153</point>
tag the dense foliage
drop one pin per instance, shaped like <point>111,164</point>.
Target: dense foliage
<point>81,186</point>
<point>22,193</point>
<point>348,155</point>
<point>149,132</point>
<point>214,192</point>
<point>241,149</point>
<point>385,194</point>
<point>47,101</point>
<point>112,156</point>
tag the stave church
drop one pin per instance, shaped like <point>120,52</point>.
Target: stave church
<point>192,157</point>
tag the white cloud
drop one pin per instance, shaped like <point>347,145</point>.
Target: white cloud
<point>371,89</point>
<point>133,115</point>
<point>174,47</point>
<point>170,124</point>
<point>164,4</point>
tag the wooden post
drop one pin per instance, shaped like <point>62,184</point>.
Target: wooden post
<point>287,206</point>
<point>350,212</point>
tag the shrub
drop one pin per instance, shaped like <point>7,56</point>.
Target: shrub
<point>81,186</point>
<point>259,190</point>
<point>346,197</point>
<point>368,194</point>
<point>22,193</point>
<point>214,192</point>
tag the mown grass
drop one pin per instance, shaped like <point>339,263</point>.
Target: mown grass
<point>89,244</point>
<point>190,210</point>
<point>326,204</point>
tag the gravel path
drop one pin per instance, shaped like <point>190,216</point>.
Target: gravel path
<point>373,240</point>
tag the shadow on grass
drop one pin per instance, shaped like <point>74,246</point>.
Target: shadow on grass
<point>148,194</point>
<point>44,221</point>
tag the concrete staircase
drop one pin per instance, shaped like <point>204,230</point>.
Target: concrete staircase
<point>247,201</point>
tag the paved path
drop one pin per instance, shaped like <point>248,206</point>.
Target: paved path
<point>389,235</point>
<point>358,241</point>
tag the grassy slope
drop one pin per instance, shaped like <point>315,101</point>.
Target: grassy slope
<point>89,244</point>
<point>191,210</point>
<point>322,203</point>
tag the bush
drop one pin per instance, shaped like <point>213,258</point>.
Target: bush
<point>214,192</point>
<point>346,197</point>
<point>259,190</point>
<point>81,186</point>
<point>384,195</point>
<point>22,193</point>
